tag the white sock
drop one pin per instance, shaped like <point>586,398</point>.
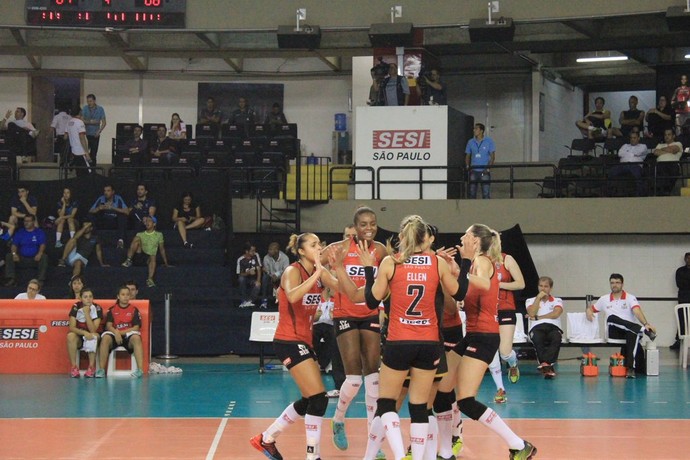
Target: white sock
<point>287,418</point>
<point>312,426</point>
<point>376,434</point>
<point>391,423</point>
<point>511,359</point>
<point>418,434</point>
<point>71,234</point>
<point>491,420</point>
<point>496,373</point>
<point>444,421</point>
<point>348,391</point>
<point>58,236</point>
<point>431,440</point>
<point>371,394</point>
<point>457,420</point>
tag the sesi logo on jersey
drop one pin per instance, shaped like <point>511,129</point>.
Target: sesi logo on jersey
<point>357,270</point>
<point>311,299</point>
<point>418,260</point>
<point>402,139</point>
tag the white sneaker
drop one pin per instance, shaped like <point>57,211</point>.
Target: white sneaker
<point>333,394</point>
<point>246,304</point>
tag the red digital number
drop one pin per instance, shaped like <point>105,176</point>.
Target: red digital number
<point>64,2</point>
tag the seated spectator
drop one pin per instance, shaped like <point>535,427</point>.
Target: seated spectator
<point>275,263</point>
<point>66,211</point>
<point>667,167</point>
<point>163,148</point>
<point>21,205</point>
<point>660,119</point>
<point>624,320</point>
<point>244,115</point>
<point>145,246</point>
<point>596,123</point>
<point>78,250</point>
<point>544,312</point>
<point>630,120</point>
<point>249,275</point>
<point>178,128</point>
<point>632,156</point>
<point>21,121</point>
<point>109,212</point>
<point>122,328</point>
<point>32,292</point>
<point>21,135</point>
<point>84,323</point>
<point>137,146</point>
<point>6,232</point>
<point>142,206</point>
<point>210,115</point>
<point>76,284</point>
<point>276,116</point>
<point>27,250</point>
<point>133,289</point>
<point>187,216</point>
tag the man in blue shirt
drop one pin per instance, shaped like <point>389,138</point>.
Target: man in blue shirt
<point>94,119</point>
<point>142,206</point>
<point>27,250</point>
<point>480,155</point>
<point>110,212</point>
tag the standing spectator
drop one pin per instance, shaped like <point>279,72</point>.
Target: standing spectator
<point>249,275</point>
<point>683,284</point>
<point>79,249</point>
<point>59,126</point>
<point>137,147</point>
<point>394,88</point>
<point>79,146</point>
<point>33,290</point>
<point>22,204</point>
<point>66,211</point>
<point>630,120</point>
<point>595,124</point>
<point>142,207</point>
<point>210,115</point>
<point>660,119</point>
<point>667,167</point>
<point>275,263</point>
<point>163,148</point>
<point>681,102</point>
<point>325,345</point>
<point>94,119</point>
<point>84,322</point>
<point>187,216</point>
<point>631,156</point>
<point>545,331</point>
<point>275,117</point>
<point>110,212</point>
<point>430,89</point>
<point>624,320</point>
<point>243,115</point>
<point>27,250</point>
<point>480,155</point>
<point>147,244</point>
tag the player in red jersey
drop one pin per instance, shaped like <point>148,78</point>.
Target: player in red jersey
<point>510,279</point>
<point>357,328</point>
<point>476,350</point>
<point>414,278</point>
<point>84,321</point>
<point>298,298</point>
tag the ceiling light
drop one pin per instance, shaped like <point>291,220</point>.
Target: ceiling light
<point>603,59</point>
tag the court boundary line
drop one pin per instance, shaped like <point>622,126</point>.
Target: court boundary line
<point>219,432</point>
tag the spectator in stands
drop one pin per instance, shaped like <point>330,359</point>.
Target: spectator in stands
<point>624,320</point>
<point>178,128</point>
<point>133,289</point>
<point>66,211</point>
<point>275,117</point>
<point>122,328</point>
<point>630,120</point>
<point>94,120</point>
<point>137,147</point>
<point>79,145</point>
<point>33,290</point>
<point>249,275</point>
<point>243,115</point>
<point>109,212</point>
<point>142,206</point>
<point>146,245</point>
<point>187,216</point>
<point>76,284</point>
<point>659,119</point>
<point>210,115</point>
<point>27,250</point>
<point>275,263</point>
<point>6,232</point>
<point>21,121</point>
<point>631,156</point>
<point>595,124</point>
<point>21,205</point>
<point>667,167</point>
<point>544,312</point>
<point>480,155</point>
<point>683,284</point>
<point>21,135</point>
<point>394,88</point>
<point>79,248</point>
<point>681,102</point>
<point>430,89</point>
<point>163,148</point>
<point>84,323</point>
<point>59,127</point>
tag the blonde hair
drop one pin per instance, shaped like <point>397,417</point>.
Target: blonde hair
<point>296,242</point>
<point>496,251</point>
<point>413,231</point>
<point>489,241</point>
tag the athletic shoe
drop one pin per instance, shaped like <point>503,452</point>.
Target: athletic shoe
<point>74,372</point>
<point>90,373</point>
<point>264,304</point>
<point>61,263</point>
<point>513,374</point>
<point>267,448</point>
<point>188,245</point>
<point>457,445</point>
<point>127,262</point>
<point>246,304</point>
<point>549,372</point>
<point>452,457</point>
<point>333,394</point>
<point>339,436</point>
<point>380,455</point>
<point>650,334</point>
<point>120,244</point>
<point>100,374</point>
<point>58,244</point>
<point>630,374</point>
<point>137,373</point>
<point>528,452</point>
<point>501,397</point>
<point>150,283</point>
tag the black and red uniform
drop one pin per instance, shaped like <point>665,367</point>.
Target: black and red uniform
<point>123,318</point>
<point>76,312</point>
<point>452,329</point>
<point>506,298</point>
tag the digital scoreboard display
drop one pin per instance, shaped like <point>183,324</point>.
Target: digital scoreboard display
<point>150,14</point>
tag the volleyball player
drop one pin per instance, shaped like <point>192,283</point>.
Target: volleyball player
<point>298,298</point>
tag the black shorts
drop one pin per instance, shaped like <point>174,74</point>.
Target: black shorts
<point>370,323</point>
<point>125,342</point>
<point>506,317</point>
<point>401,356</point>
<point>441,371</point>
<point>293,353</point>
<point>451,337</point>
<point>480,346</point>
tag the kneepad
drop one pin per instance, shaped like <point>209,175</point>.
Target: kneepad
<point>384,405</point>
<point>418,413</point>
<point>472,408</point>
<point>443,401</point>
<point>317,404</point>
<point>301,406</point>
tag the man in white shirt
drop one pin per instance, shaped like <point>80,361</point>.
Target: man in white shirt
<point>76,133</point>
<point>544,312</point>
<point>20,121</point>
<point>667,162</point>
<point>275,263</point>
<point>624,320</point>
<point>631,155</point>
<point>59,126</point>
<point>31,292</point>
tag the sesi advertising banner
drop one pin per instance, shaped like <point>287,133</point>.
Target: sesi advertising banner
<point>388,138</point>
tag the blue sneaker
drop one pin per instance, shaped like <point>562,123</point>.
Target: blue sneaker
<point>339,436</point>
<point>380,455</point>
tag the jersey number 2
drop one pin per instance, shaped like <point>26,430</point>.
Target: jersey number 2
<point>417,290</point>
